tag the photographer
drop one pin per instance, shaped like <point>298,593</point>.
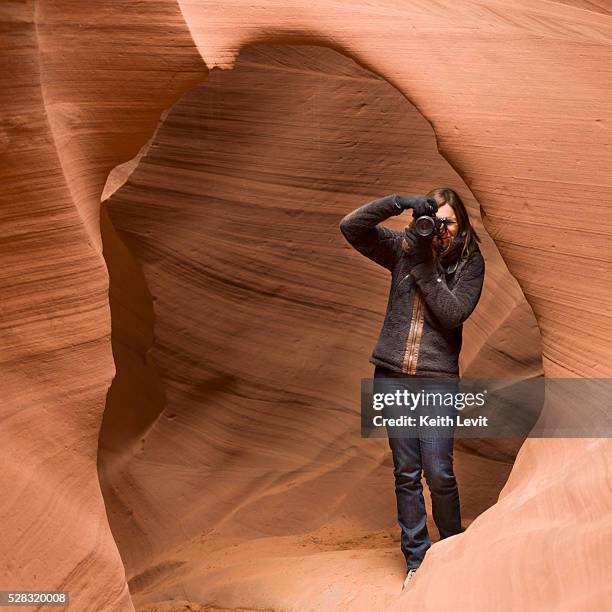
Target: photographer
<point>437,273</point>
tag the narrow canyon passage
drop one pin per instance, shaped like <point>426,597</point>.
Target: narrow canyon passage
<point>241,327</point>
<point>211,498</point>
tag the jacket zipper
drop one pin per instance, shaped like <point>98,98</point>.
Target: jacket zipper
<point>398,284</point>
<point>413,341</point>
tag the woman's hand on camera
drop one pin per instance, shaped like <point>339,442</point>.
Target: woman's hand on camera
<point>419,247</point>
<point>420,205</point>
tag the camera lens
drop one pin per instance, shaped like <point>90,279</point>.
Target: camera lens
<point>424,226</point>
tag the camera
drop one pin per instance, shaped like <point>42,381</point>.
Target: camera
<point>426,225</point>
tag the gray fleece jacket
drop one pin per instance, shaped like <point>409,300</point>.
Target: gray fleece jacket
<point>422,330</point>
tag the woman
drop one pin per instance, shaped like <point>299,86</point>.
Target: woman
<point>436,282</point>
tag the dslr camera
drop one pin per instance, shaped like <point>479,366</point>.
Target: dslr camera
<point>427,224</point>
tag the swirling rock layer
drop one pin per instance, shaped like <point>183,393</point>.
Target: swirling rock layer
<point>518,96</point>
<point>243,321</point>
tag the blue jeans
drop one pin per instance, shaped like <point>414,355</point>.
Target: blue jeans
<point>434,456</point>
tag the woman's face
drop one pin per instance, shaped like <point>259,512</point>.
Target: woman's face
<point>452,228</point>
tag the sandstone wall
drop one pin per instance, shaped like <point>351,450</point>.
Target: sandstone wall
<point>518,96</point>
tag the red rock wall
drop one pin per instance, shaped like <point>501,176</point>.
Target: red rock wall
<point>261,318</point>
<point>81,92</point>
<point>517,94</point>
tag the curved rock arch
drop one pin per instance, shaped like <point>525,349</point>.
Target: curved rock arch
<point>229,216</point>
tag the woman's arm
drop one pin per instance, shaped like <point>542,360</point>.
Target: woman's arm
<point>451,306</point>
<point>361,229</point>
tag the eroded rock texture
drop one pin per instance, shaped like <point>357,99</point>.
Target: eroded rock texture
<point>260,320</point>
<point>72,107</point>
<point>519,99</point>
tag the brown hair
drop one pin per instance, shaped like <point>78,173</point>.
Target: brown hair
<point>465,230</point>
<point>445,195</point>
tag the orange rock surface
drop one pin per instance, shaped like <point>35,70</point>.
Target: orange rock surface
<point>209,497</point>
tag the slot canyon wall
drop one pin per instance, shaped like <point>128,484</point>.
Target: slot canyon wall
<point>208,496</point>
<point>257,330</point>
